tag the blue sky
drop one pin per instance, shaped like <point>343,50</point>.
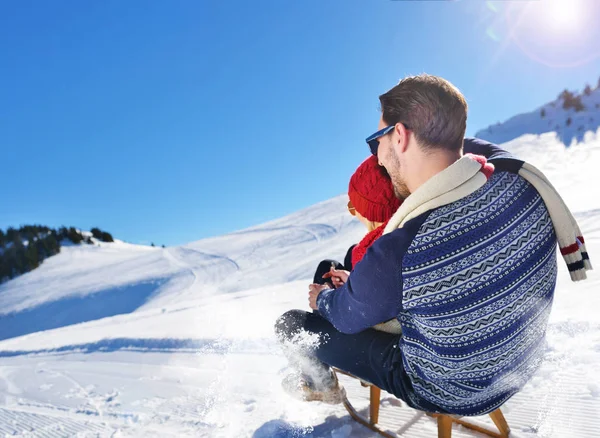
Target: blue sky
<point>172,121</point>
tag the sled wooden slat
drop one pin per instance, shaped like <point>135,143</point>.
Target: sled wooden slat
<point>469,425</point>
<point>500,422</point>
<point>375,397</point>
<point>444,426</point>
<point>360,419</point>
<point>444,422</point>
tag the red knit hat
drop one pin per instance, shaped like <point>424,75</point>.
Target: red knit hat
<point>371,191</point>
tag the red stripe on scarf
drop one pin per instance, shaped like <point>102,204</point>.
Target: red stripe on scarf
<point>570,249</point>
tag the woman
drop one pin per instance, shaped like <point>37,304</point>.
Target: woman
<point>373,202</point>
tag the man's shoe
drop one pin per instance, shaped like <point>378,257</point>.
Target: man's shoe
<point>300,388</point>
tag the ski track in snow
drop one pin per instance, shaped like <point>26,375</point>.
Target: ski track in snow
<point>21,423</point>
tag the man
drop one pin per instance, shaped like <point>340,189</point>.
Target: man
<point>467,266</point>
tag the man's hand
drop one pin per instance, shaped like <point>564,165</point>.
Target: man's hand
<point>338,276</point>
<point>313,292</point>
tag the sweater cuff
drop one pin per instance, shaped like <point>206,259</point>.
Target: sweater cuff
<point>322,301</point>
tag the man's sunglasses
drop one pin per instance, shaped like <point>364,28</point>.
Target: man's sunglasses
<point>373,140</point>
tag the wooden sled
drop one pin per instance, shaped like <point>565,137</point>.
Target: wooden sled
<point>444,422</point>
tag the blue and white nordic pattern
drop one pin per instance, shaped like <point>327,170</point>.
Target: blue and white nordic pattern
<point>478,283</point>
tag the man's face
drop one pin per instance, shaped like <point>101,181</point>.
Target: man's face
<point>388,158</point>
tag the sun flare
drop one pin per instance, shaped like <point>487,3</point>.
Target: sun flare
<point>558,33</point>
<point>560,15</point>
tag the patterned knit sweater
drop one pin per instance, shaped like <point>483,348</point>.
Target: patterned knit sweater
<point>471,284</point>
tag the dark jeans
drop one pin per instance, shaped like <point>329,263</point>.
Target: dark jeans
<point>323,268</point>
<point>371,355</point>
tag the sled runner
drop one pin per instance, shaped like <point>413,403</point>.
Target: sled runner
<point>444,422</point>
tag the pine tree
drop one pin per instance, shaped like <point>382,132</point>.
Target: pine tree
<point>10,261</point>
<point>571,101</point>
<point>565,95</point>
<point>12,235</point>
<point>152,244</point>
<point>31,257</point>
<point>543,113</point>
<point>53,244</point>
<point>587,90</point>
<point>106,237</point>
<point>74,235</point>
<point>4,274</point>
<point>569,121</point>
<point>63,233</point>
<point>20,262</point>
<point>43,251</point>
<point>101,235</point>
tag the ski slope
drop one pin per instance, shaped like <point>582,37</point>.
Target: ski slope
<point>570,126</point>
<point>128,341</point>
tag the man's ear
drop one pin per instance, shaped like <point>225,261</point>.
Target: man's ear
<point>402,137</point>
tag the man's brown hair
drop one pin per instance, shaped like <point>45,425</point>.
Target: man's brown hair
<point>431,107</point>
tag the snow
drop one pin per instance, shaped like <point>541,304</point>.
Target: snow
<point>122,340</point>
<point>555,120</point>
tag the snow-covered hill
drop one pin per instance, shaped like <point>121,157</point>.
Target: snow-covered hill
<point>123,340</point>
<point>569,124</point>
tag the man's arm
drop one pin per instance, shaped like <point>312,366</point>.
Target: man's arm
<point>373,292</point>
<point>500,158</point>
<point>489,150</point>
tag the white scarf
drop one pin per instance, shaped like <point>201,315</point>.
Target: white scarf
<point>569,237</point>
<point>457,181</point>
